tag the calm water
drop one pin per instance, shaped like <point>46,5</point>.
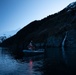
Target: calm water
<point>54,62</point>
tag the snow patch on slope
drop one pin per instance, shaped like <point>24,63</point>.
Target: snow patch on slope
<point>9,33</point>
<point>71,6</point>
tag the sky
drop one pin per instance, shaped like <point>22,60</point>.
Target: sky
<point>15,14</point>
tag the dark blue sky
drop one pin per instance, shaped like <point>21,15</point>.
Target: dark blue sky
<point>16,14</point>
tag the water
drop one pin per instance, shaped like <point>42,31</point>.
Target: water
<point>60,61</point>
<point>15,66</point>
<point>54,62</point>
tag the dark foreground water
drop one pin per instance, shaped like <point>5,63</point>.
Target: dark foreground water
<point>54,62</point>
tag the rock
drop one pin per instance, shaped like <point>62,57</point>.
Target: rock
<point>54,41</point>
<point>71,39</point>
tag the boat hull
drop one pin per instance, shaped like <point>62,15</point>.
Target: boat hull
<point>32,53</point>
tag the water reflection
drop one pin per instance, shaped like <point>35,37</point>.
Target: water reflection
<point>11,66</point>
<point>6,64</point>
<point>58,61</point>
<point>64,55</point>
<point>31,67</point>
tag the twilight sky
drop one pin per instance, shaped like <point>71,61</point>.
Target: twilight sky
<point>16,14</point>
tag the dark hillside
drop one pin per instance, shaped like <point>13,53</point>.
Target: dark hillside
<point>49,31</point>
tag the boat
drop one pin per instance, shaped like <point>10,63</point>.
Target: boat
<point>31,51</point>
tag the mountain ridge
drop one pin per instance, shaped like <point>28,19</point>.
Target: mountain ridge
<point>9,33</point>
<point>49,31</point>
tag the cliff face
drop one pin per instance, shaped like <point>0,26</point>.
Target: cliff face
<point>50,31</point>
<point>71,39</point>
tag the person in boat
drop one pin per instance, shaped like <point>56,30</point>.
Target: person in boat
<point>31,46</point>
